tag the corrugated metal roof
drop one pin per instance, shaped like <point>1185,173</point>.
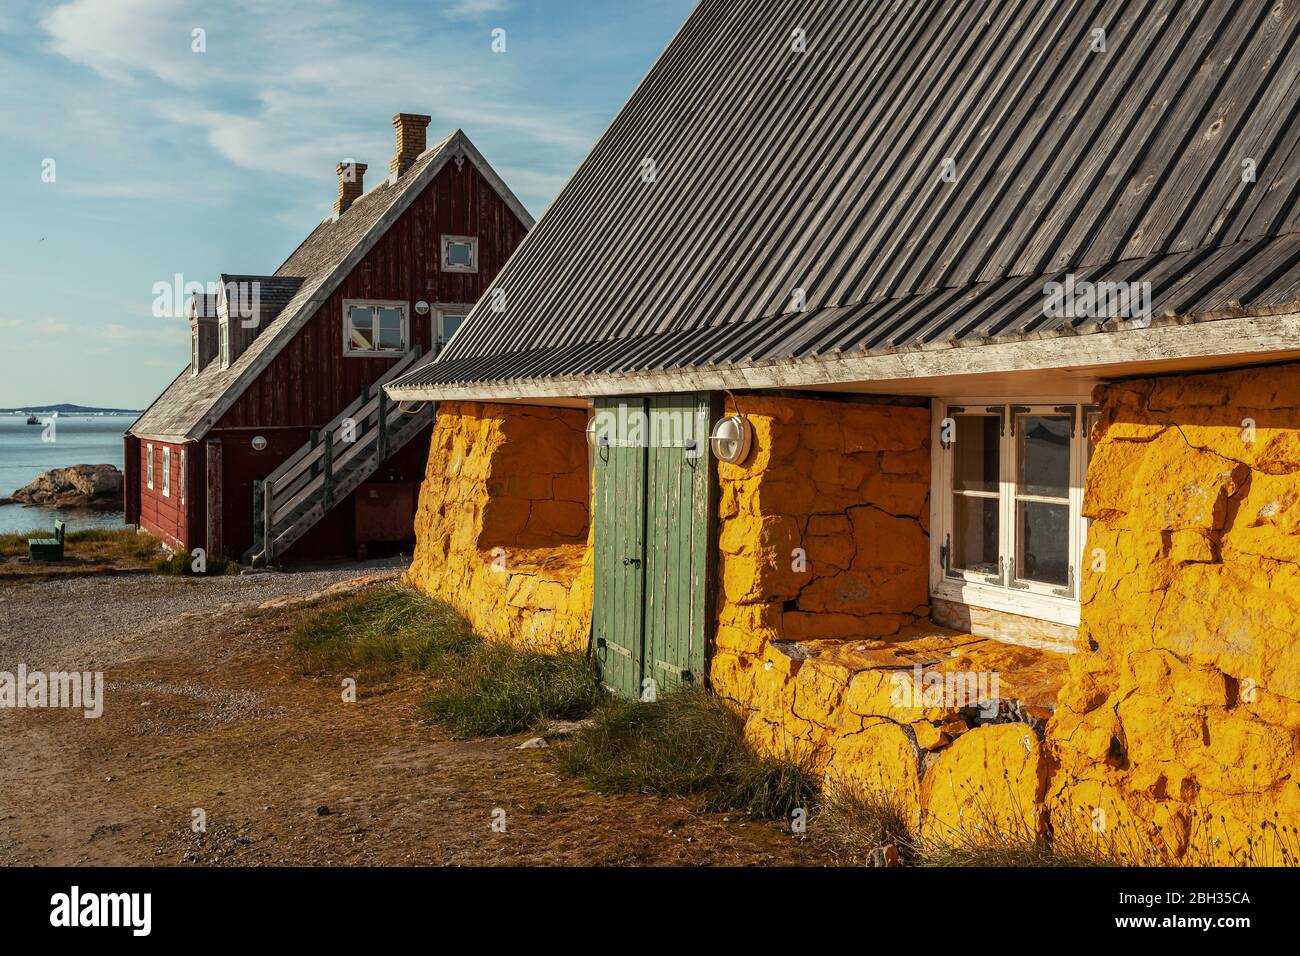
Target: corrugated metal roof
<point>821,171</point>
<point>298,287</point>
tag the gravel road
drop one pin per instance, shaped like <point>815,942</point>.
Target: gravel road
<point>74,622</point>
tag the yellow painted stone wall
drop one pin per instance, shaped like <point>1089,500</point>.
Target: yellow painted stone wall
<point>1179,723</point>
<point>502,529</point>
<point>824,529</point>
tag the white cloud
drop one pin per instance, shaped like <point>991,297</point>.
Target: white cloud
<point>473,9</point>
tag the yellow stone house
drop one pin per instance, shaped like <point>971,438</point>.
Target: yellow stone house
<point>926,381</point>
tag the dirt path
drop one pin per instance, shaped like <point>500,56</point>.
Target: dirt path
<point>206,712</point>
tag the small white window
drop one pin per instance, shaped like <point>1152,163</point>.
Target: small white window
<point>225,344</point>
<point>375,328</point>
<point>194,354</point>
<point>1009,501</point>
<point>167,472</point>
<point>148,466</point>
<point>447,319</point>
<point>459,254</point>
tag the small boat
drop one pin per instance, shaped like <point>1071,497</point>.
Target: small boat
<point>31,420</point>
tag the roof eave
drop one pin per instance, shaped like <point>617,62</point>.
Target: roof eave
<point>1173,338</point>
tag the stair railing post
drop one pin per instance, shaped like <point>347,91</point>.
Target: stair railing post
<point>268,520</point>
<point>329,470</point>
<point>257,517</point>
<point>383,425</point>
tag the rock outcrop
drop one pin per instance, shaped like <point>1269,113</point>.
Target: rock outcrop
<point>98,487</point>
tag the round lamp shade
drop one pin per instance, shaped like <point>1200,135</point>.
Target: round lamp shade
<point>259,443</point>
<point>731,439</point>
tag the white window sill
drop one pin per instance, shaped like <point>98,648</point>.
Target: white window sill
<point>1040,607</point>
<point>385,353</point>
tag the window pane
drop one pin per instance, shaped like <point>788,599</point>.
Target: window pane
<point>361,328</point>
<point>975,534</point>
<point>1043,542</point>
<point>450,323</point>
<point>1043,455</point>
<point>390,330</point>
<point>460,254</point>
<point>976,451</point>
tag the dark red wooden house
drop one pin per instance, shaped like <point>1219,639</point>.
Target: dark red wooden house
<point>276,441</point>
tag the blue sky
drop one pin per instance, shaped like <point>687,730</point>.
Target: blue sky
<point>168,161</point>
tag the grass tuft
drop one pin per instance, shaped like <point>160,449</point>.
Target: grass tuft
<point>687,743</point>
<point>498,690</point>
<point>383,631</point>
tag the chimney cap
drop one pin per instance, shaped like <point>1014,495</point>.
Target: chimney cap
<point>359,167</point>
<point>412,119</point>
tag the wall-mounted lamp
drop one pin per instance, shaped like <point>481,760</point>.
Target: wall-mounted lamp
<point>731,439</point>
<point>422,307</point>
<point>593,439</point>
<point>259,443</point>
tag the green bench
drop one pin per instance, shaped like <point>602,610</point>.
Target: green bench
<point>47,549</point>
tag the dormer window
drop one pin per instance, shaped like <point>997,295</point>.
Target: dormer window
<point>459,254</point>
<point>225,343</point>
<point>373,328</point>
<point>194,353</point>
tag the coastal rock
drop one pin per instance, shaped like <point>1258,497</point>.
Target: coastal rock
<point>80,486</point>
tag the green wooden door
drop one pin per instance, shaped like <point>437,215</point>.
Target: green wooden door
<point>619,512</point>
<point>678,517</point>
<point>654,507</point>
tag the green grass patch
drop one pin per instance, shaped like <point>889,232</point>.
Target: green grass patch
<point>86,550</point>
<point>496,690</point>
<point>183,564</point>
<point>384,631</point>
<point>688,743</point>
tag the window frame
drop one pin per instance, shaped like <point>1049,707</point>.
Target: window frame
<point>445,244</point>
<point>350,351</point>
<point>194,352</point>
<point>148,465</point>
<point>440,311</point>
<point>1005,591</point>
<point>166,472</point>
<point>223,348</point>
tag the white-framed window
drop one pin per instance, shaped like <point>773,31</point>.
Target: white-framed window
<point>148,466</point>
<point>225,344</point>
<point>1007,504</point>
<point>460,254</point>
<point>167,472</point>
<point>194,353</point>
<point>373,327</point>
<point>446,320</point>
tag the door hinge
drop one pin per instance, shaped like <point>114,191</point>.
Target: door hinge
<point>1001,412</point>
<point>1069,410</point>
<point>1001,577</point>
<point>1011,577</point>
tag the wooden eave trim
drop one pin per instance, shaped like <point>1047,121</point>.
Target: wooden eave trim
<point>1168,339</point>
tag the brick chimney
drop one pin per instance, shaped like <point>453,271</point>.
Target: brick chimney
<point>351,186</point>
<point>412,132</point>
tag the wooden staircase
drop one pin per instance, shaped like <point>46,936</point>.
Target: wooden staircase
<point>339,457</point>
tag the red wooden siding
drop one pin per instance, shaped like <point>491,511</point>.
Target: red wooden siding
<point>310,381</point>
<point>166,517</point>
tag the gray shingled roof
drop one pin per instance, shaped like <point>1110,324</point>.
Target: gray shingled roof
<point>821,171</point>
<point>192,403</point>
